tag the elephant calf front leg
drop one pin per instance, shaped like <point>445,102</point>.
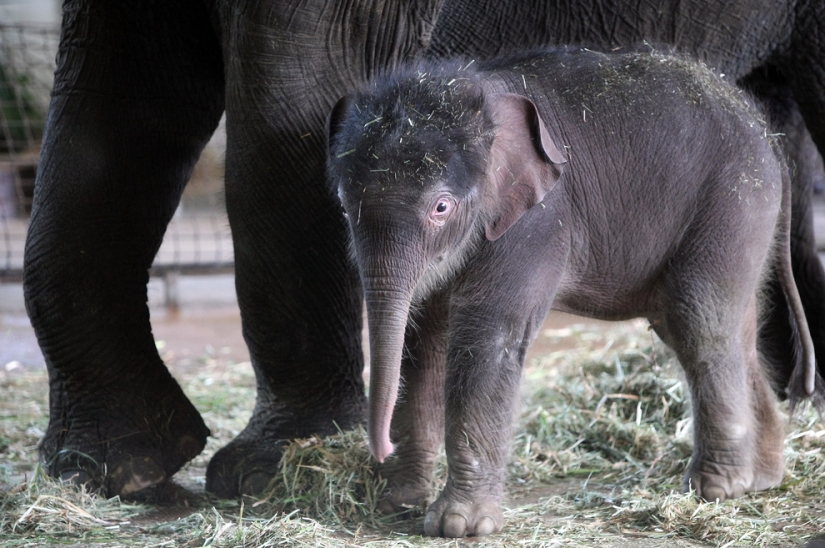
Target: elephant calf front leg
<point>418,420</point>
<point>482,385</point>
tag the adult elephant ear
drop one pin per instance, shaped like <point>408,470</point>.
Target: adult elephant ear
<point>336,119</point>
<point>524,162</point>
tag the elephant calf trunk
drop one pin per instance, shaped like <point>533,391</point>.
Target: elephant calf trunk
<point>387,317</point>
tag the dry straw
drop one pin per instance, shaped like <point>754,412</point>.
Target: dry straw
<point>602,442</point>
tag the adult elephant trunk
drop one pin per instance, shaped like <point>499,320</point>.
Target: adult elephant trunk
<point>388,289</point>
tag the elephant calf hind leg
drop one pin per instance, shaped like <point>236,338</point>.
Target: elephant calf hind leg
<point>738,435</point>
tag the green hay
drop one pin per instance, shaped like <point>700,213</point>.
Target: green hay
<point>333,480</point>
<point>601,444</point>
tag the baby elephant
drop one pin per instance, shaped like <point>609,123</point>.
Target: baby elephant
<point>482,195</point>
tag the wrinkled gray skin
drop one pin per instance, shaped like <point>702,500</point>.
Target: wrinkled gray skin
<point>607,186</point>
<point>139,88</point>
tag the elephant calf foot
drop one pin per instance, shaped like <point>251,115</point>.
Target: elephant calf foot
<point>747,458</point>
<point>719,486</point>
<point>720,480</point>
<point>728,482</point>
<point>455,517</point>
<point>409,485</point>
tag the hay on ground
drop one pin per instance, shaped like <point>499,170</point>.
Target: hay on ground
<point>602,442</point>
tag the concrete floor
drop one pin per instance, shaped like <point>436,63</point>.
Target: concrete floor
<point>207,321</point>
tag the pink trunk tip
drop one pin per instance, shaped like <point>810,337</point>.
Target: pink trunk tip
<point>380,446</point>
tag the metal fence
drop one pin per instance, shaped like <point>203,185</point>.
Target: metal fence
<point>26,67</point>
<point>197,240</point>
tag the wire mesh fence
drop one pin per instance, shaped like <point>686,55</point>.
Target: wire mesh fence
<point>197,241</point>
<point>26,67</point>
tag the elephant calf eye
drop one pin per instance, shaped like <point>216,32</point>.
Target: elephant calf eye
<point>442,208</point>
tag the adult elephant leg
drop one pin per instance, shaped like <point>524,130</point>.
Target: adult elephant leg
<point>298,289</point>
<point>806,170</point>
<point>138,91</point>
<point>804,70</point>
<point>286,65</point>
<point>300,305</point>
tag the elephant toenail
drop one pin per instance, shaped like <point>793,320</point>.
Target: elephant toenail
<point>455,526</point>
<point>190,447</point>
<point>486,526</point>
<point>714,494</point>
<point>432,527</point>
<point>138,474</point>
<point>385,507</point>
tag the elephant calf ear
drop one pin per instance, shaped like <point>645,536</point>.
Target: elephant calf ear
<point>524,162</point>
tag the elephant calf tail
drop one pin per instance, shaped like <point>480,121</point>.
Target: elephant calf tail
<point>803,380</point>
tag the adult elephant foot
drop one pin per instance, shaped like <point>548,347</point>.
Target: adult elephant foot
<point>121,441</point>
<point>249,463</point>
<point>456,515</point>
<point>246,466</point>
<point>405,500</point>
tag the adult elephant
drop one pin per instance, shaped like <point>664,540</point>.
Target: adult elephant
<point>140,87</point>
